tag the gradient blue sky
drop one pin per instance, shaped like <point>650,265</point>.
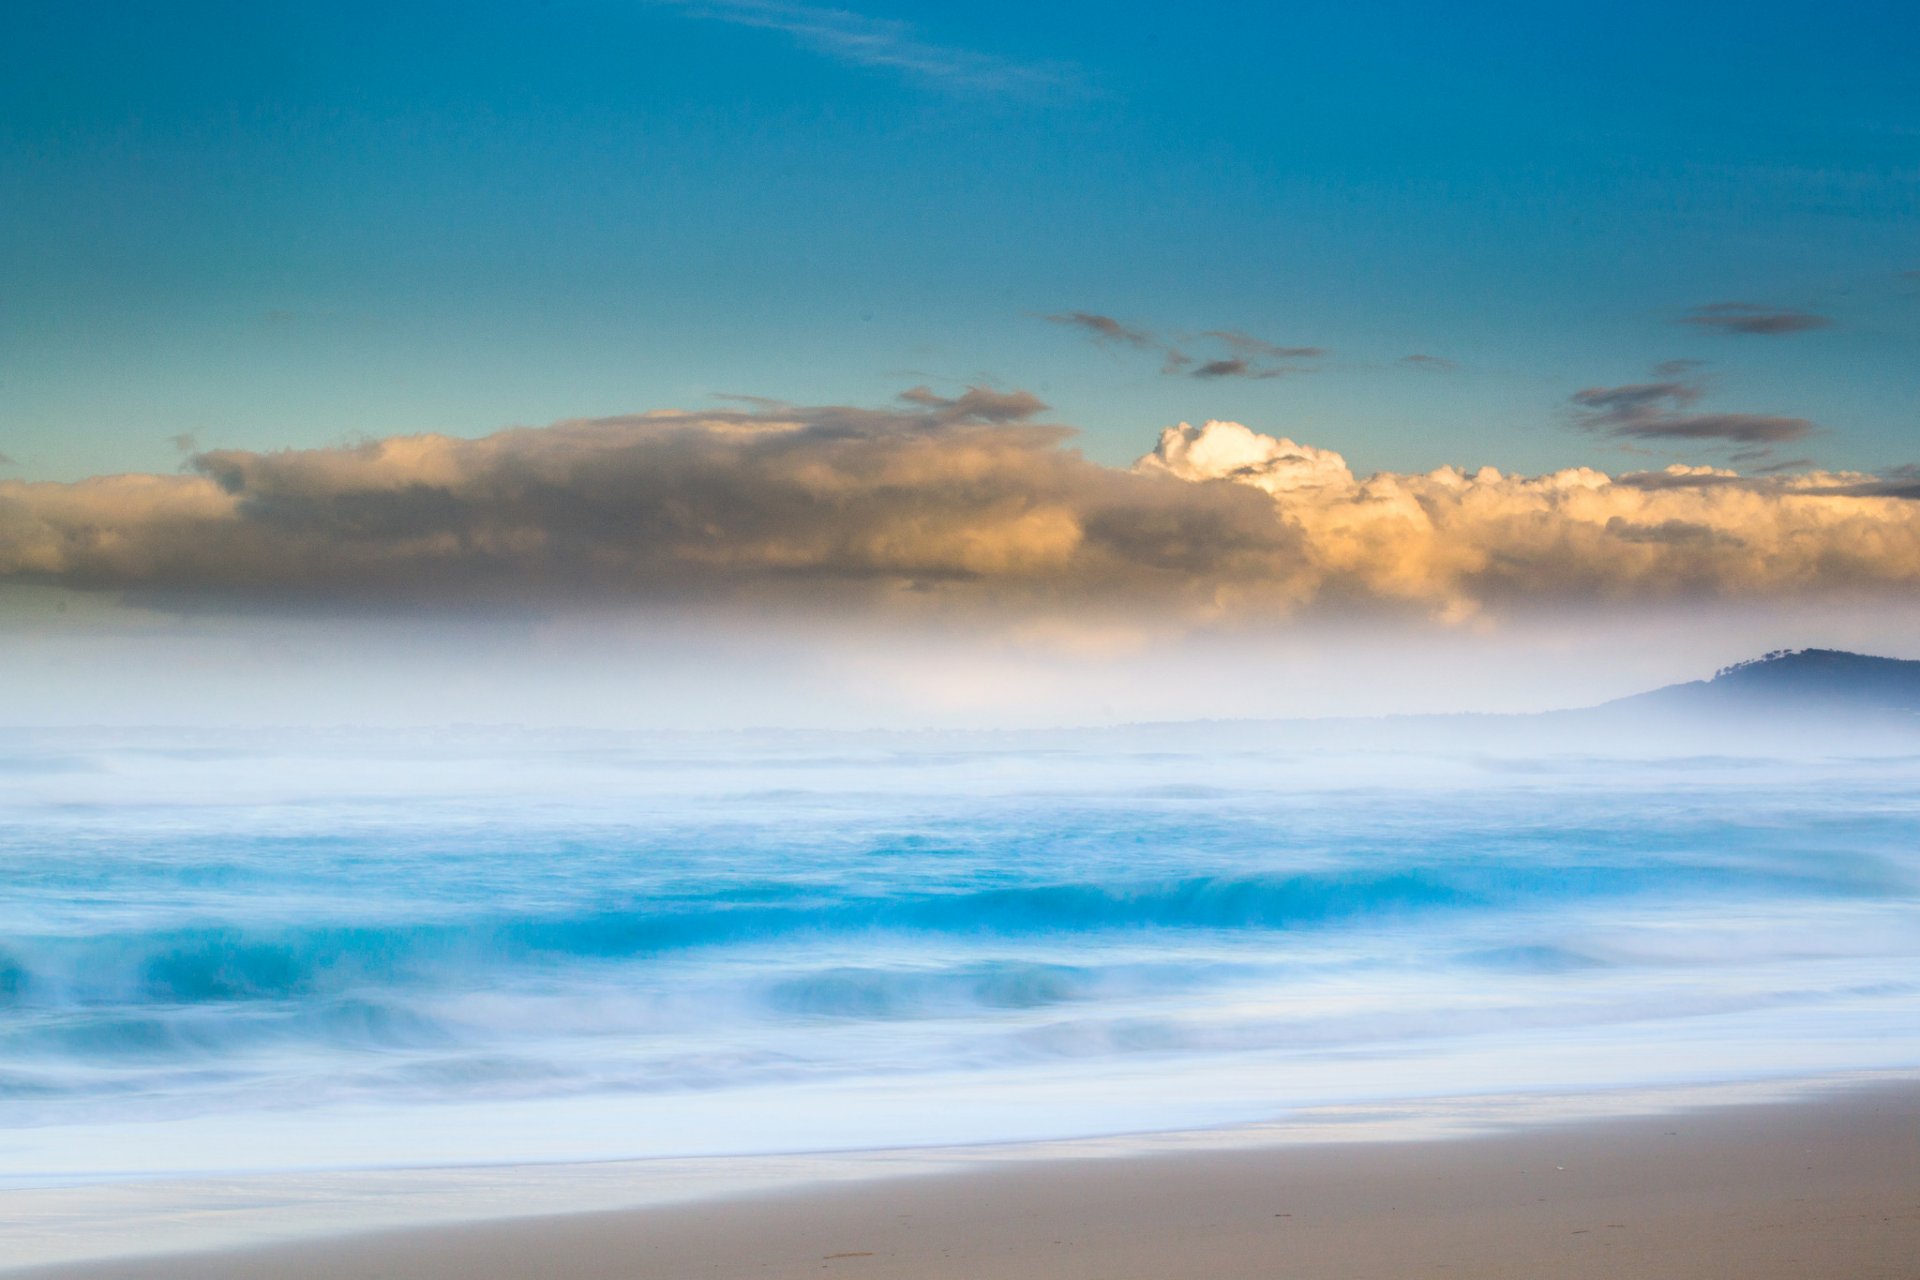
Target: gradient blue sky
<point>261,225</point>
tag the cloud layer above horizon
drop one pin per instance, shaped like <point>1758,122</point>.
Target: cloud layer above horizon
<point>936,505</point>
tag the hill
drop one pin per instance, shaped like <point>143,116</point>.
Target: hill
<point>1796,683</point>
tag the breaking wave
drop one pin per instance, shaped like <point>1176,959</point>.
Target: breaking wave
<point>845,933</point>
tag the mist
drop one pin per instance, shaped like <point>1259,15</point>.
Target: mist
<point>77,659</point>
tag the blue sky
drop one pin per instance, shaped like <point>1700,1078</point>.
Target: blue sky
<point>261,226</point>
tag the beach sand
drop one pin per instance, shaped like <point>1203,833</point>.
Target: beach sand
<point>1824,1187</point>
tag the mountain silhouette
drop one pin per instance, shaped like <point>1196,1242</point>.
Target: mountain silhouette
<point>1795,682</point>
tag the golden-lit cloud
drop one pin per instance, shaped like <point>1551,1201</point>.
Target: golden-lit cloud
<point>1459,543</point>
<point>960,497</point>
<point>962,502</point>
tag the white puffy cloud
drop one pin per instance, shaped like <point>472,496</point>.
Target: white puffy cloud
<point>1229,451</point>
<point>1458,543</point>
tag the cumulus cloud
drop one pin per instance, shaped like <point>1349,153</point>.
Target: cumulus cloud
<point>943,502</point>
<point>1752,319</point>
<point>1459,543</point>
<point>961,497</point>
<point>1652,411</point>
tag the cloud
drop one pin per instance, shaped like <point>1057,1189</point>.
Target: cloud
<point>975,404</point>
<point>1253,357</point>
<point>888,44</point>
<point>1105,329</point>
<point>1459,544</point>
<point>955,497</point>
<point>940,505</point>
<point>1751,318</point>
<point>1607,406</point>
<point>1901,482</point>
<point>6,459</point>
<point>1432,364</point>
<point>1744,428</point>
<point>1247,344</point>
<point>1231,451</point>
<point>1249,357</point>
<point>1651,411</point>
<point>1234,367</point>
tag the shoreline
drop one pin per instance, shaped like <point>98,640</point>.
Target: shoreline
<point>1735,1167</point>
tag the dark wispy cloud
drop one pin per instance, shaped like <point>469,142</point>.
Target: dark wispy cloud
<point>1744,428</point>
<point>1432,364</point>
<point>1235,367</point>
<point>1657,411</point>
<point>1248,345</point>
<point>975,404</point>
<point>1250,357</point>
<point>887,44</point>
<point>1612,406</point>
<point>1753,319</point>
<point>1105,329</point>
<point>1245,356</point>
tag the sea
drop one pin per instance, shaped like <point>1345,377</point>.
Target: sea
<point>229,952</point>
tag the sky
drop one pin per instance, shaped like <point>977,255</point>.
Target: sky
<point>880,325</point>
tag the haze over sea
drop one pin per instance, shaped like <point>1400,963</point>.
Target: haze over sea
<point>249,950</point>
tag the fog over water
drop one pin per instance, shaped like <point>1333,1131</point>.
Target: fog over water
<point>247,949</point>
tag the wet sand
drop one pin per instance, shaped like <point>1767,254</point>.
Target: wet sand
<point>1825,1187</point>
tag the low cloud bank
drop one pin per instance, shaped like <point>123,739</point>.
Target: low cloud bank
<point>1460,543</point>
<point>941,502</point>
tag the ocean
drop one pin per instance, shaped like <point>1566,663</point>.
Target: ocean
<point>278,951</point>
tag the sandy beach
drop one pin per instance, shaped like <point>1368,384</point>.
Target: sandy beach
<point>1828,1186</point>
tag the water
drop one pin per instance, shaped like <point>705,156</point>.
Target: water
<point>304,953</point>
